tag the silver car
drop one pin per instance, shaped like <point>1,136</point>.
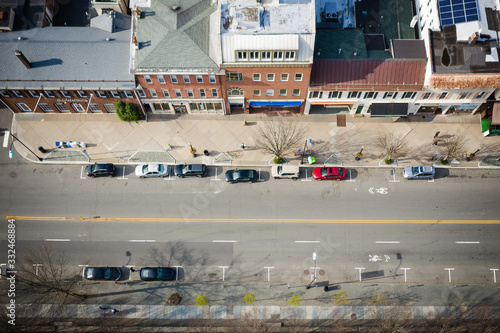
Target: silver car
<point>285,171</point>
<point>151,170</point>
<point>419,172</point>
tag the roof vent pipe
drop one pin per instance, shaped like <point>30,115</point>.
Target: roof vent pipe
<point>23,59</point>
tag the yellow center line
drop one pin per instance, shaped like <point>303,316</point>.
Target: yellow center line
<point>206,220</point>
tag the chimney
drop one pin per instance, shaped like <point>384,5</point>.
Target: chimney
<point>23,59</point>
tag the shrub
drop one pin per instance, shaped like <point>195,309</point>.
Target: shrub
<point>278,160</point>
<point>250,298</point>
<point>340,298</point>
<point>295,300</point>
<point>201,300</point>
<point>127,111</point>
<point>387,160</point>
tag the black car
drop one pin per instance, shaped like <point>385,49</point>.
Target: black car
<point>102,273</point>
<point>190,170</point>
<point>241,175</point>
<point>157,274</point>
<point>100,170</point>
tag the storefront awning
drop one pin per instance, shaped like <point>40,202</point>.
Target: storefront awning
<point>283,104</point>
<point>495,119</point>
<point>389,109</point>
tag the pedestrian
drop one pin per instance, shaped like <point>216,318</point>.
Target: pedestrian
<point>243,146</point>
<point>115,311</point>
<point>132,269</point>
<point>103,308</point>
<point>103,313</point>
<point>117,282</point>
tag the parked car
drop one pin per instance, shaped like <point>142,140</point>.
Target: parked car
<point>285,171</point>
<point>100,170</point>
<point>151,170</point>
<point>241,175</point>
<point>419,172</point>
<point>157,274</point>
<point>329,173</point>
<point>191,170</point>
<point>102,273</point>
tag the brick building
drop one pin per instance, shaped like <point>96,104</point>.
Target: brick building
<point>65,70</point>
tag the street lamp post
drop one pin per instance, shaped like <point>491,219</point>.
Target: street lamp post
<point>11,153</point>
<point>315,257</point>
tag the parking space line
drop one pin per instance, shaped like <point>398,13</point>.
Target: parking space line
<point>56,240</point>
<point>6,138</point>
<point>393,171</point>
<point>307,242</point>
<point>215,177</point>
<point>81,173</point>
<point>123,176</point>
<point>142,240</point>
<point>387,242</point>
<point>260,180</point>
<point>350,177</point>
<point>466,242</point>
<point>305,180</point>
<point>225,241</point>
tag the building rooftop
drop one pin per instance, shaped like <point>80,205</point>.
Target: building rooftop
<point>266,17</point>
<point>173,35</point>
<point>111,22</point>
<point>66,58</point>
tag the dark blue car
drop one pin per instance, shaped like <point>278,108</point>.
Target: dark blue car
<point>157,274</point>
<point>241,176</point>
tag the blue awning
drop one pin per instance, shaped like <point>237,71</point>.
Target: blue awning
<point>275,104</point>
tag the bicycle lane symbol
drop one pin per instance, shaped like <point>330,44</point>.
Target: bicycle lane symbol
<point>380,190</point>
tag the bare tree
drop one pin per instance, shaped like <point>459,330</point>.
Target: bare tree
<point>455,145</point>
<point>278,137</point>
<point>391,144</point>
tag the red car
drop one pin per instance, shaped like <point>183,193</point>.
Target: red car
<point>329,173</point>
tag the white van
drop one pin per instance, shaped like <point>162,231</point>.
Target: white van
<point>285,171</point>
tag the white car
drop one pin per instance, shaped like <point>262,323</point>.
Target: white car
<point>151,170</point>
<point>285,171</point>
<point>419,172</point>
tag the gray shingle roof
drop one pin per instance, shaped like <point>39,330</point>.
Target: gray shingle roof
<point>66,57</point>
<point>174,39</point>
<point>112,22</point>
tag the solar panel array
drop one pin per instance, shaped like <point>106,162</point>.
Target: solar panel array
<point>458,11</point>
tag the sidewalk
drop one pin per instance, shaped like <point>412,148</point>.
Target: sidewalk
<point>108,139</point>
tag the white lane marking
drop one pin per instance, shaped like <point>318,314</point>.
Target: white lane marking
<point>123,176</point>
<point>81,173</point>
<point>56,240</point>
<point>306,180</point>
<point>216,176</point>
<point>307,241</point>
<point>169,175</point>
<point>387,242</point>
<point>6,138</point>
<point>225,241</point>
<point>466,242</point>
<point>260,180</point>
<point>142,240</point>
<point>393,177</point>
<point>350,177</point>
<point>83,265</point>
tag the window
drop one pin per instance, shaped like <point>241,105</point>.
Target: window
<point>269,92</point>
<point>256,92</point>
<point>253,56</point>
<point>141,93</point>
<point>82,94</point>
<point>409,94</point>
<point>50,93</point>
<point>153,93</point>
<point>463,95</point>
<point>354,94</point>
<point>18,93</point>
<point>128,94</point>
<point>45,107</point>
<point>186,79</point>
<point>235,92</point>
<point>334,94</point>
<point>65,93</point>
<point>23,107</point>
<point>165,93</point>
<point>441,96</point>
<point>270,76</point>
<point>101,94</point>
<point>147,78</point>
<point>234,76</point>
<point>199,79</point>
<point>277,55</point>
<point>202,93</point>
<point>390,94</point>
<point>115,94</point>
<point>214,92</point>
<point>62,107</point>
<point>315,94</point>
<point>189,92</point>
<point>77,107</point>
<point>160,79</point>
<point>371,94</point>
<point>242,55</point>
<point>426,96</point>
<point>110,107</point>
<point>34,93</point>
<point>173,79</point>
<point>298,76</point>
<point>256,76</point>
<point>284,76</point>
<point>94,108</point>
<point>265,55</point>
<point>295,92</point>
<point>177,93</point>
<point>289,55</point>
<point>481,94</point>
<point>211,79</point>
<point>4,93</point>
<point>282,92</point>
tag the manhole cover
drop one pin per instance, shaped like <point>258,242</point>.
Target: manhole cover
<point>13,174</point>
<point>306,272</point>
<point>321,272</point>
